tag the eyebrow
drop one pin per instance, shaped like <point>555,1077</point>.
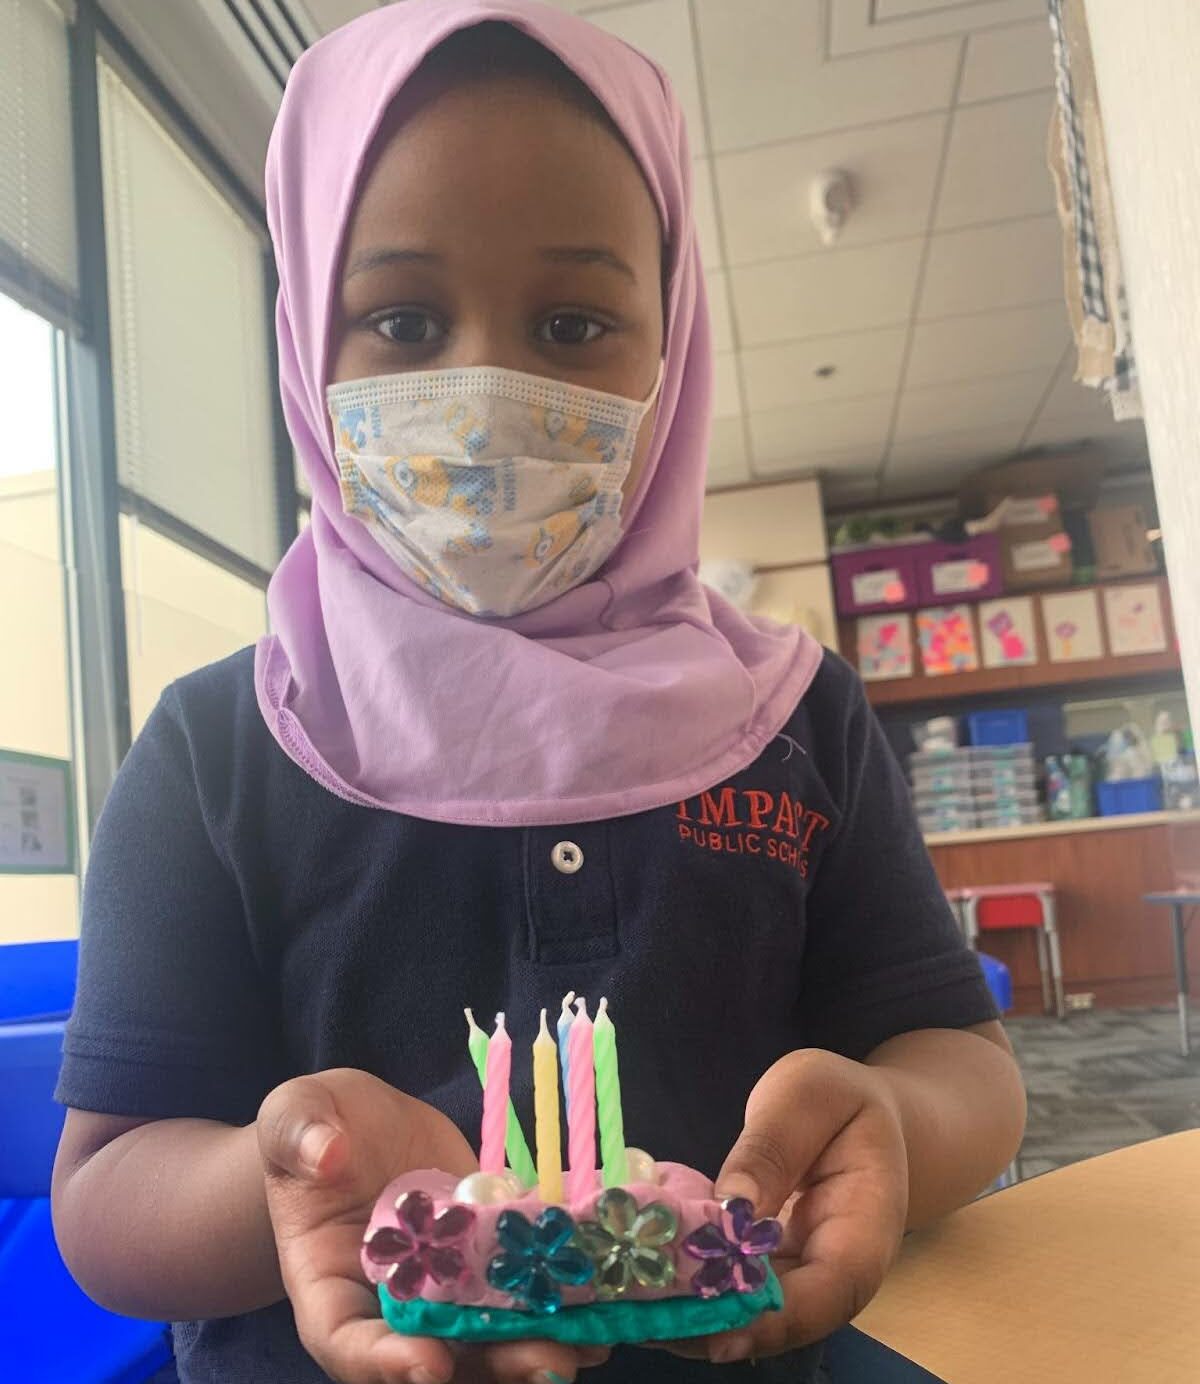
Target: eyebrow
<point>587,254</point>
<point>373,259</point>
<point>561,254</point>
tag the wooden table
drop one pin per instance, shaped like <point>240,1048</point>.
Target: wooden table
<point>1086,1275</point>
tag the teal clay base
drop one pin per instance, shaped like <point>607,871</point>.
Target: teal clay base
<point>589,1323</point>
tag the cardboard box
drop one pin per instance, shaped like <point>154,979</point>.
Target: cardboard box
<point>1119,541</point>
<point>1035,555</point>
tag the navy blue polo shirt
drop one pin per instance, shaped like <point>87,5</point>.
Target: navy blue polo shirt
<point>241,925</point>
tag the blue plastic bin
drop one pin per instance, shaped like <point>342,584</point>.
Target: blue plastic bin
<point>37,980</point>
<point>998,727</point>
<point>999,982</point>
<point>1129,795</point>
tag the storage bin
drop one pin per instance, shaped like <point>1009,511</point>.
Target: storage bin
<point>867,581</point>
<point>968,571</point>
<point>989,728</point>
<point>948,778</point>
<point>1129,795</point>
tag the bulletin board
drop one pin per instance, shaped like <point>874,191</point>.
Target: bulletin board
<point>37,818</point>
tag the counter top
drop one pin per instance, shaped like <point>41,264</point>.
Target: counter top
<point>1065,828</point>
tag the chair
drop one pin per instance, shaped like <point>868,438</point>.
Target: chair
<point>996,907</point>
<point>50,1331</point>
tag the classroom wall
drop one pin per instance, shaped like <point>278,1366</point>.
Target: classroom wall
<point>1146,60</point>
<point>181,612</point>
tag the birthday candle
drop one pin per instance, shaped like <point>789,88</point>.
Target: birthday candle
<point>564,1027</point>
<point>545,1105</point>
<point>520,1160</point>
<point>495,1100</point>
<point>608,1099</point>
<point>581,1108</point>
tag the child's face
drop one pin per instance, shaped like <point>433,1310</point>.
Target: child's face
<point>500,225</point>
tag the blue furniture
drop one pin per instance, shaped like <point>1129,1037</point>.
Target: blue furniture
<point>50,1331</point>
<point>999,982</point>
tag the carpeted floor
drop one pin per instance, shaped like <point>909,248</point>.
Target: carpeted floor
<point>1099,1080</point>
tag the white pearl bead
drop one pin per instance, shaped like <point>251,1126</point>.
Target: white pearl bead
<point>487,1189</point>
<point>641,1167</point>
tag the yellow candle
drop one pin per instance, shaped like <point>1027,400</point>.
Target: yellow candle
<point>545,1108</point>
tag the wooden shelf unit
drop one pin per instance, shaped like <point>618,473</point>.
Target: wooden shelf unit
<point>986,682</point>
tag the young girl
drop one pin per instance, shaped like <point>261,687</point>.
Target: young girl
<point>501,743</point>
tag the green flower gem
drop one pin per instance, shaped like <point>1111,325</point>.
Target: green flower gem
<point>625,1242</point>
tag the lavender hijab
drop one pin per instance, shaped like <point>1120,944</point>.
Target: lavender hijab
<point>635,690</point>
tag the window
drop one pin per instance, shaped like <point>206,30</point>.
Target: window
<point>35,703</point>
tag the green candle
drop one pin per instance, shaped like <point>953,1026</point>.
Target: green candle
<point>608,1100</point>
<point>520,1160</point>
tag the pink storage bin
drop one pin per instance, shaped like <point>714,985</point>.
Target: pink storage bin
<point>875,579</point>
<point>967,571</point>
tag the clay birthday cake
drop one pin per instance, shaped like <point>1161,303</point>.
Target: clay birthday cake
<point>632,1251</point>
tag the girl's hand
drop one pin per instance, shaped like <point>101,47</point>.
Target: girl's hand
<point>330,1143</point>
<point>823,1149</point>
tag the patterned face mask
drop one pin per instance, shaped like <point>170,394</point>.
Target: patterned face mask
<point>495,490</point>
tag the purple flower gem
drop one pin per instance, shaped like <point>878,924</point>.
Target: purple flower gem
<point>420,1246</point>
<point>735,1260</point>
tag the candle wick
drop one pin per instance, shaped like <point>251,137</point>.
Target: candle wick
<point>581,1006</point>
<point>472,1026</point>
<point>543,1029</point>
<point>568,1000</point>
<point>602,1009</point>
<point>500,1023</point>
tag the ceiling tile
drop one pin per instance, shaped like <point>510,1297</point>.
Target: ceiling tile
<point>834,291</point>
<point>785,375</point>
<point>973,404</point>
<point>727,393</point>
<point>727,464</point>
<point>858,25</point>
<point>716,288</point>
<point>996,162</point>
<point>989,267</point>
<point>1004,62</point>
<point>846,431</point>
<point>764,192</point>
<point>923,485</point>
<point>1069,399</point>
<point>951,452</point>
<point>766,76</point>
<point>662,29</point>
<point>991,343</point>
<point>705,213</point>
<point>1128,436</point>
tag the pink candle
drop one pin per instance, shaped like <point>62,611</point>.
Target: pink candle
<point>495,1100</point>
<point>581,1107</point>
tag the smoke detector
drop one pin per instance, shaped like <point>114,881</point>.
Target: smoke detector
<point>830,202</point>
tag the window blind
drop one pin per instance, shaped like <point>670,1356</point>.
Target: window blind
<point>38,261</point>
<point>187,303</point>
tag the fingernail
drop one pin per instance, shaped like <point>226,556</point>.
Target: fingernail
<point>421,1375</point>
<point>727,1352</point>
<point>739,1185</point>
<point>313,1143</point>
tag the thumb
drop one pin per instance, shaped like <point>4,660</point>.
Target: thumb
<point>789,1120</point>
<point>300,1133</point>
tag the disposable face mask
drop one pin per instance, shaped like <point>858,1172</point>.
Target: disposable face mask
<point>493,489</point>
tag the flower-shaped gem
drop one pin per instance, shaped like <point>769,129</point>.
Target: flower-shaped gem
<point>420,1246</point>
<point>736,1260</point>
<point>537,1259</point>
<point>625,1243</point>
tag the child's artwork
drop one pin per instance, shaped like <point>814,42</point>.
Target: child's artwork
<point>1007,632</point>
<point>884,647</point>
<point>947,638</point>
<point>1134,618</point>
<point>1072,624</point>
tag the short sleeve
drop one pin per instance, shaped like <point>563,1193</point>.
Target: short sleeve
<point>171,1017</point>
<point>883,953</point>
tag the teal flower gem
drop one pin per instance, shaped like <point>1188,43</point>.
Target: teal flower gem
<point>538,1259</point>
<point>625,1243</point>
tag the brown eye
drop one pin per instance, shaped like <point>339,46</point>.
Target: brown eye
<point>410,328</point>
<point>570,329</point>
